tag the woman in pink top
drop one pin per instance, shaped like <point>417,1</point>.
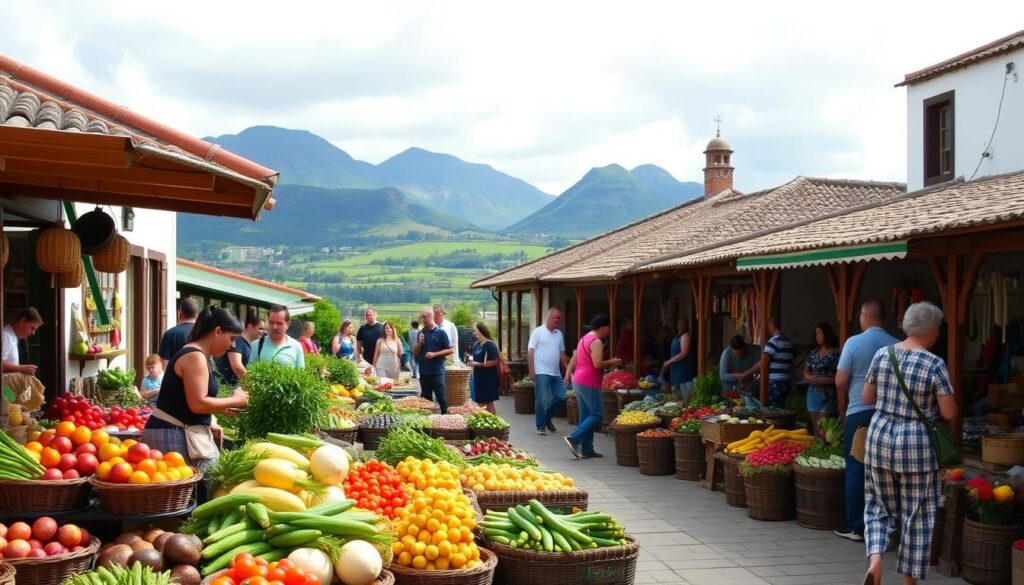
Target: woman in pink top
<point>586,370</point>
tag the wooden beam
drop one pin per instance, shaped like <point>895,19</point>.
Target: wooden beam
<point>638,301</point>
<point>501,345</point>
<point>842,310</point>
<point>989,239</point>
<point>613,301</point>
<point>68,140</point>
<point>940,280</point>
<point>581,295</point>
<point>510,325</point>
<point>859,269</point>
<point>701,295</point>
<point>87,156</point>
<point>954,337</point>
<point>832,284</point>
<point>133,174</point>
<point>967,289</point>
<point>519,323</point>
<point>102,198</point>
<point>118,187</point>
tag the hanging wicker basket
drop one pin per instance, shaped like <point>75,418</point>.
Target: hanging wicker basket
<point>58,250</point>
<point>95,229</point>
<point>114,257</point>
<point>71,279</point>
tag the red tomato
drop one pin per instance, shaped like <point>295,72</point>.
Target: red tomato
<point>245,566</point>
<point>294,576</point>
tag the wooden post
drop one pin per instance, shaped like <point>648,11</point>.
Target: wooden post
<point>519,323</point>
<point>511,354</point>
<point>613,300</point>
<point>581,294</point>
<point>638,299</point>
<point>954,337</point>
<point>501,345</point>
<point>701,297</point>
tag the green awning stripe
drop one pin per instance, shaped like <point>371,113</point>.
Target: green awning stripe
<point>824,256</point>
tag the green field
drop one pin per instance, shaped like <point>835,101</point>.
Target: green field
<point>423,250</point>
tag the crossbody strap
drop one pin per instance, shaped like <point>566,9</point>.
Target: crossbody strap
<point>903,385</point>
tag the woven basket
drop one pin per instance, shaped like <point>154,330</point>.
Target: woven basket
<point>150,498</point>
<point>599,566</point>
<point>656,455</point>
<point>58,250</point>
<point>735,483</point>
<point>114,256</point>
<point>481,575</point>
<point>473,501</point>
<point>346,435</point>
<point>524,399</point>
<point>71,279</point>
<point>55,570</point>
<point>370,438</point>
<point>7,572</point>
<point>820,497</point>
<point>770,496</point>
<point>611,409</point>
<point>456,385</point>
<point>621,400</point>
<point>572,410</point>
<point>561,502</point>
<point>625,443</point>
<point>386,577</point>
<point>450,434</point>
<point>691,463</point>
<point>487,433</point>
<point>48,497</point>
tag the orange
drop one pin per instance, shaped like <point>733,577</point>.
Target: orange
<point>159,477</point>
<point>103,471</point>
<point>147,466</point>
<point>49,457</point>
<point>81,435</point>
<point>117,459</point>
<point>138,477</point>
<point>173,474</point>
<point>186,471</point>
<point>65,428</point>
<point>161,466</point>
<point>99,438</point>
<point>128,443</point>
<point>34,446</point>
<point>108,451</point>
<point>173,459</point>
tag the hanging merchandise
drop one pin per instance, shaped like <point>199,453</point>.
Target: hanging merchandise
<point>58,250</point>
<point>114,256</point>
<point>997,294</point>
<point>95,229</point>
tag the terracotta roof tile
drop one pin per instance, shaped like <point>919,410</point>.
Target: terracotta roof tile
<point>997,47</point>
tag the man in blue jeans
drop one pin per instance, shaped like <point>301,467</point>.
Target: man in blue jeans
<point>545,358</point>
<point>853,367</point>
<point>431,349</point>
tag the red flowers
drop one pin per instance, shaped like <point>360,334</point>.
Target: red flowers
<point>980,488</point>
<point>995,504</point>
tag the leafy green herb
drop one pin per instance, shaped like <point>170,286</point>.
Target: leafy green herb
<point>233,467</point>
<point>707,389</point>
<point>282,399</point>
<point>403,441</point>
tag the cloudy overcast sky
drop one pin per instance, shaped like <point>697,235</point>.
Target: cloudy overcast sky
<point>540,90</point>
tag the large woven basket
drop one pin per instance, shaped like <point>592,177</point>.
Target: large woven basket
<point>40,496</point>
<point>656,455</point>
<point>734,482</point>
<point>114,256</point>
<point>562,501</point>
<point>456,385</point>
<point>770,496</point>
<point>450,434</point>
<point>599,566</point>
<point>625,443</point>
<point>487,433</point>
<point>481,575</point>
<point>572,410</point>
<point>150,498</point>
<point>347,435</point>
<point>7,573</point>
<point>622,399</point>
<point>524,399</point>
<point>386,577</point>
<point>690,453</point>
<point>820,497</point>
<point>58,249</point>
<point>611,409</point>
<point>71,279</point>
<point>370,437</point>
<point>55,570</point>
<point>473,501</point>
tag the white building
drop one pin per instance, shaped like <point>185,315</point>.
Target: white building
<point>965,115</point>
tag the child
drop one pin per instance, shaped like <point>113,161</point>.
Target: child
<point>153,378</point>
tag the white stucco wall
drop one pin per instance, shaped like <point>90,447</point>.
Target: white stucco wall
<point>977,88</point>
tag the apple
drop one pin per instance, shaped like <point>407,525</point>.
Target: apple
<point>71,474</point>
<point>37,553</point>
<point>69,535</point>
<point>137,452</point>
<point>155,454</point>
<point>62,445</point>
<point>44,529</point>
<point>17,549</point>
<point>19,531</point>
<point>121,472</point>
<point>86,448</point>
<point>86,537</point>
<point>86,465</point>
<point>54,549</point>
<point>3,530</point>
<point>53,474</point>
<point>3,545</point>
<point>67,461</point>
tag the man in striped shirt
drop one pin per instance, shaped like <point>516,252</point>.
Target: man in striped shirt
<point>779,354</point>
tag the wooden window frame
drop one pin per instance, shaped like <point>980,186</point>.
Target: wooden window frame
<point>931,140</point>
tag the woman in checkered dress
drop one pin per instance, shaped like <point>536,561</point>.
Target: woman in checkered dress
<point>902,479</point>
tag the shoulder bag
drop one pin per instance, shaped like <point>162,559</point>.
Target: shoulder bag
<point>939,432</point>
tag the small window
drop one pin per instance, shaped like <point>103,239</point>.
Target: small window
<point>939,139</point>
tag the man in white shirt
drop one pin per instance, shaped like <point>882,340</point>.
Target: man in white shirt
<point>23,326</point>
<point>451,330</point>
<point>545,358</point>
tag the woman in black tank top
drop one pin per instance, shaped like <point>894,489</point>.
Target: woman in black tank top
<point>188,394</point>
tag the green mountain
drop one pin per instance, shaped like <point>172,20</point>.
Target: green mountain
<point>663,183</point>
<point>604,199</point>
<point>478,192</point>
<point>314,216</point>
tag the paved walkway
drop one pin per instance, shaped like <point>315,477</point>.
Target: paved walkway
<point>689,534</point>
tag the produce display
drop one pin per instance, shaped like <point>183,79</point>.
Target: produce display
<point>415,402</point>
<point>119,388</point>
<point>503,478</point>
<point>526,382</point>
<point>636,418</point>
<point>245,568</point>
<point>377,487</point>
<point>466,409</point>
<point>496,447</point>
<point>404,442</point>
<point>380,406</point>
<point>649,381</point>
<point>419,474</point>
<point>486,420</point>
<point>335,371</point>
<point>823,457</point>
<point>334,420</point>
<point>656,434</point>
<point>288,473</point>
<point>133,462</point>
<point>707,389</point>
<point>537,528</point>
<point>138,574</point>
<point>618,379</point>
<point>691,426</point>
<point>17,462</point>
<point>282,399</point>
<point>775,457</point>
<point>81,411</point>
<point>771,435</point>
<point>379,421</point>
<point>435,531</point>
<point>340,391</point>
<point>732,419</point>
<point>43,538</point>
<point>154,549</point>
<point>830,430</point>
<point>415,419</point>
<point>452,422</point>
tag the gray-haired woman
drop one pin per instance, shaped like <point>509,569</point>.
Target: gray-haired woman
<point>902,479</point>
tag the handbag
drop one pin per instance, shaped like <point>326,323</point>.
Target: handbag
<point>939,432</point>
<point>198,438</point>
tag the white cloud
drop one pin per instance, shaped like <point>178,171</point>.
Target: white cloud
<point>541,90</point>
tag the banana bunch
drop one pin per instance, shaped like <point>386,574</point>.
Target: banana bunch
<point>758,439</point>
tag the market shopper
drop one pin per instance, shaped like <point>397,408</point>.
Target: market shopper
<point>188,395</point>
<point>24,324</point>
<point>367,336</point>
<point>681,365</point>
<point>387,357</point>
<point>778,356</point>
<point>545,358</point>
<point>232,365</point>
<point>586,369</point>
<point>278,346</point>
<point>343,344</point>
<point>413,335</point>
<point>451,330</point>
<point>820,373</point>
<point>624,346</point>
<point>153,379</point>
<point>306,339</point>
<point>485,358</point>
<point>431,349</point>
<point>902,487</point>
<point>737,365</point>
<point>854,361</point>
<point>176,337</point>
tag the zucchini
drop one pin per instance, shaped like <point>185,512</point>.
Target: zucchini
<point>223,505</point>
<point>258,513</point>
<point>337,526</point>
<point>552,522</point>
<point>225,532</point>
<point>221,562</point>
<point>332,509</point>
<point>524,524</point>
<point>295,538</point>
<point>229,542</point>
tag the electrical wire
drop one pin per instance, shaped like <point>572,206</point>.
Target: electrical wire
<point>999,111</point>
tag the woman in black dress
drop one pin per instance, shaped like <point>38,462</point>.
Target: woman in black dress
<point>485,367</point>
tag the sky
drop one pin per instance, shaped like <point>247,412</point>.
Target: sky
<point>543,91</point>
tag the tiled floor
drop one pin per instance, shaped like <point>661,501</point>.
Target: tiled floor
<point>689,535</point>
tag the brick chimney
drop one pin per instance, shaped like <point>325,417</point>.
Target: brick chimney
<point>718,169</point>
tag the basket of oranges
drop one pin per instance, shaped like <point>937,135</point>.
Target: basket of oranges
<point>138,480</point>
<point>66,458</point>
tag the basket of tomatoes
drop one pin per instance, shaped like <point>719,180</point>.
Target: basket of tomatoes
<point>377,487</point>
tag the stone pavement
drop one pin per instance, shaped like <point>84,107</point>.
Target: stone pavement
<point>689,534</point>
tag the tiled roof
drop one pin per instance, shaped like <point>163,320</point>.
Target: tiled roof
<point>698,225</point>
<point>997,47</point>
<point>956,205</point>
<point>259,291</point>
